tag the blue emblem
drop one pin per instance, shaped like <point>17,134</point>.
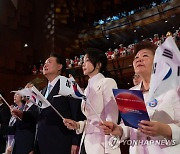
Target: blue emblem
<point>153,103</point>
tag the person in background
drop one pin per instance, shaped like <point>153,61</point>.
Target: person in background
<point>100,96</point>
<point>25,131</point>
<point>11,129</point>
<point>164,112</point>
<point>4,120</point>
<point>52,136</point>
<point>136,79</point>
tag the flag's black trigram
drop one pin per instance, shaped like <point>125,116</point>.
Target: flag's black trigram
<point>178,71</point>
<point>40,104</point>
<point>69,95</point>
<point>167,53</point>
<point>68,83</point>
<point>154,68</point>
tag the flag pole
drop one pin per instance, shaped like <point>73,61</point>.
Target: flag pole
<point>88,102</point>
<point>8,105</point>
<point>5,101</point>
<point>57,112</point>
<point>85,98</point>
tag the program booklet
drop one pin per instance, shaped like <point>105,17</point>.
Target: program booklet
<point>131,106</point>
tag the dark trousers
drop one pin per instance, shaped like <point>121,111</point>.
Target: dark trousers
<point>36,147</point>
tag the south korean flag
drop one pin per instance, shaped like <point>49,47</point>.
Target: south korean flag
<point>166,69</point>
<point>69,87</point>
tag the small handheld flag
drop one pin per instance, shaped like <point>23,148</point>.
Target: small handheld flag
<point>44,102</point>
<point>166,69</point>
<point>69,87</point>
<point>37,98</point>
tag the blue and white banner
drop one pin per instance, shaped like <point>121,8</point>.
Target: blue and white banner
<point>166,69</point>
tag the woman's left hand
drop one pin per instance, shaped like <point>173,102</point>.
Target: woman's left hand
<point>155,128</point>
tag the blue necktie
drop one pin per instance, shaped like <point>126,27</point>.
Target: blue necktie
<point>48,90</point>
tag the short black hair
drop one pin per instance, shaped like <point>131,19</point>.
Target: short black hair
<point>145,45</point>
<point>97,56</point>
<point>60,60</point>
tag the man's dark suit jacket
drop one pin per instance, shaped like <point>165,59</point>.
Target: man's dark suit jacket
<point>52,136</point>
<point>24,133</point>
<point>4,120</point>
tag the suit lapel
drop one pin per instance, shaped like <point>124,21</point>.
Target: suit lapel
<point>54,91</point>
<point>44,91</point>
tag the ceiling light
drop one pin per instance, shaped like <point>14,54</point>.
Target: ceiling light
<point>166,21</point>
<point>25,45</point>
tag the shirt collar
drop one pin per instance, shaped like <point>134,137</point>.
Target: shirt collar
<point>53,82</point>
<point>29,104</point>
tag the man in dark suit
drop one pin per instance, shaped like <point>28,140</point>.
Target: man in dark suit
<point>4,120</point>
<point>52,136</point>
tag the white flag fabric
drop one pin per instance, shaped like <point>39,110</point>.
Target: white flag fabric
<point>34,96</point>
<point>166,69</point>
<point>26,92</point>
<point>69,87</point>
<point>41,101</point>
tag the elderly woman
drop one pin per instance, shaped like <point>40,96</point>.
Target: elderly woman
<point>162,131</point>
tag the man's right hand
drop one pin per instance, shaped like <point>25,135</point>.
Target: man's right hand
<point>71,124</point>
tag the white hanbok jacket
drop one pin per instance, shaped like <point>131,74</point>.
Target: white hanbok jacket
<point>100,96</point>
<point>166,111</point>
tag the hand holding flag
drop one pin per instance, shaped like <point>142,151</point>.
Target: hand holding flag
<point>10,107</point>
<point>33,95</point>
